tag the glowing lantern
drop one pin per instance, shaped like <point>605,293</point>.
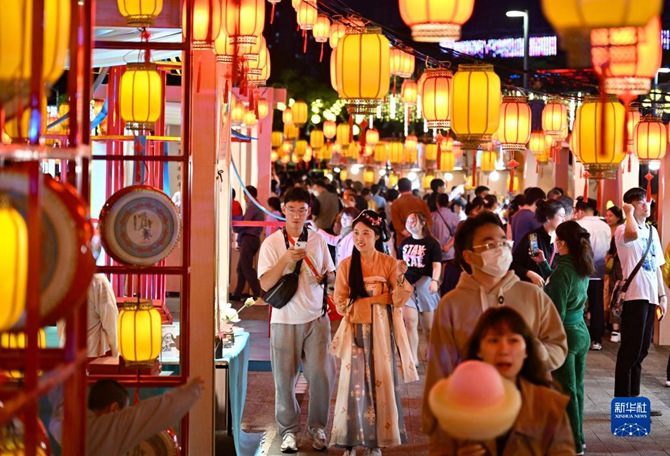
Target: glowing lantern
<point>286,148</point>
<point>17,340</point>
<point>206,25</point>
<point>380,153</point>
<point>237,112</point>
<point>587,135</point>
<point>633,117</point>
<point>435,20</point>
<point>274,156</point>
<point>337,31</point>
<point>16,32</point>
<point>488,161</point>
<point>362,68</point>
<point>255,66</point>
<point>431,152</point>
<point>539,142</point>
<point>291,131</point>
<point>141,95</point>
<point>651,139</point>
<point>343,134</point>
<point>321,30</point>
<point>300,148</point>
<point>299,110</point>
<point>515,185</point>
<point>369,176</point>
<point>515,120</point>
<point>243,20</point>
<point>372,137</point>
<point>411,142</point>
<point>307,13</point>
<point>277,138</point>
<point>476,104</point>
<point>17,130</point>
<point>259,72</point>
<point>543,158</point>
<point>436,91</point>
<point>448,161</point>
<point>287,116</point>
<point>343,175</point>
<point>628,56</point>
<point>427,179</point>
<point>140,13</point>
<point>393,180</point>
<point>334,81</point>
<point>401,63</point>
<point>249,118</point>
<point>409,92</point>
<point>395,152</point>
<point>139,333</point>
<point>554,118</point>
<point>325,153</point>
<point>14,264</point>
<point>262,108</point>
<point>329,129</point>
<point>353,151</point>
<point>225,50</point>
<point>316,139</point>
<point>336,148</point>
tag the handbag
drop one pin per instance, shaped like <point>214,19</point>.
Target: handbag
<point>284,290</point>
<point>620,287</point>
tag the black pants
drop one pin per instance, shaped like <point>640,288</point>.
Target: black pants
<point>249,246</point>
<point>597,325</point>
<point>637,329</point>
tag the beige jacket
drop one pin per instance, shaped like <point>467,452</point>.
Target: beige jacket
<point>457,315</point>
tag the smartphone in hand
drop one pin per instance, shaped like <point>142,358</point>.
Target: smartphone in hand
<point>534,248</point>
<point>300,245</point>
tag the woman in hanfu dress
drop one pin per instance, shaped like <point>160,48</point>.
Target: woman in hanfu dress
<point>371,341</point>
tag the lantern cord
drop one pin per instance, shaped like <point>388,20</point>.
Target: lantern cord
<point>251,198</point>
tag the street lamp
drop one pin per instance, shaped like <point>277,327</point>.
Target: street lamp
<point>526,42</point>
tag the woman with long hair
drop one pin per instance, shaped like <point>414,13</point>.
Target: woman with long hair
<point>370,289</point>
<point>423,255</point>
<point>343,242</point>
<point>614,218</point>
<point>503,339</point>
<point>567,288</point>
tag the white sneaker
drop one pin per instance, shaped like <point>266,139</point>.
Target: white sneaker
<point>288,443</point>
<point>596,346</point>
<point>667,383</point>
<point>319,439</point>
<point>615,337</point>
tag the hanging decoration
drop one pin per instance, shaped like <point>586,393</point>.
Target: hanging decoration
<point>141,96</point>
<point>14,264</point>
<point>401,63</point>
<point>488,161</point>
<point>299,111</point>
<point>329,129</point>
<point>316,139</point>
<point>436,92</point>
<point>515,122</point>
<point>306,14</point>
<point>139,333</point>
<point>372,137</point>
<point>343,134</point>
<point>409,92</point>
<point>435,20</point>
<point>243,20</point>
<point>223,48</point>
<point>206,22</point>
<point>140,13</point>
<point>395,152</point>
<point>337,31</point>
<point>276,139</point>
<point>555,119</point>
<point>321,32</point>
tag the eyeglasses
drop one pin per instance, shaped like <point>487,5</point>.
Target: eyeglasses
<point>296,212</point>
<point>493,245</point>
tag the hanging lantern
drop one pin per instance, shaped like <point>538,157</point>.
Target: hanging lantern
<point>380,152</point>
<point>337,31</point>
<point>334,75</point>
<point>475,105</point>
<point>225,50</point>
<point>362,69</point>
<point>587,134</point>
<point>329,129</point>
<point>291,131</point>
<point>395,152</point>
<point>436,90</point>
<point>488,161</point>
<point>343,175</point>
<point>554,118</point>
<point>300,148</point>
<point>431,152</point>
<point>427,179</point>
<point>435,20</point>
<point>17,130</point>
<point>139,333</point>
<point>243,20</point>
<point>343,134</point>
<point>287,147</point>
<point>632,118</point>
<point>287,116</point>
<point>259,72</point>
<point>274,156</point>
<point>316,139</point>
<point>409,92</point>
<point>321,30</point>
<point>515,120</point>
<point>141,96</point>
<point>627,57</point>
<point>14,264</point>
<point>324,153</point>
<point>140,13</point>
<point>237,113</point>
<point>372,137</point>
<point>206,22</point>
<point>277,138</point>
<point>369,176</point>
<point>17,340</point>
<point>393,180</point>
<point>306,14</point>
<point>543,158</point>
<point>448,161</point>
<point>16,32</point>
<point>539,142</point>
<point>353,151</point>
<point>254,67</point>
<point>262,108</point>
<point>249,119</point>
<point>411,142</point>
<point>651,139</point>
<point>299,110</point>
<point>515,184</point>
<point>401,63</point>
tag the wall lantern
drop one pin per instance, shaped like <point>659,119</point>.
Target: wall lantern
<point>409,92</point>
<point>515,120</point>
<point>436,92</point>
<point>139,333</point>
<point>243,20</point>
<point>299,110</point>
<point>141,96</point>
<point>651,139</point>
<point>555,118</point>
<point>401,63</point>
<point>14,264</point>
<point>316,139</point>
<point>435,20</point>
<point>329,129</point>
<point>140,13</point>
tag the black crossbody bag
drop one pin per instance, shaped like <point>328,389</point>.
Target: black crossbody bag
<point>285,288</point>
<point>619,292</point>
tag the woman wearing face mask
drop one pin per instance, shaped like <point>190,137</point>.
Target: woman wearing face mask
<point>343,242</point>
<point>423,255</point>
<point>534,255</point>
<point>567,289</point>
<point>481,243</point>
<point>370,289</point>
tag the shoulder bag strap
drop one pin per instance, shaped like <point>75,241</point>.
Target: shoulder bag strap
<point>445,222</point>
<point>298,265</point>
<point>639,263</point>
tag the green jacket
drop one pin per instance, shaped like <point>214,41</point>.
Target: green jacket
<point>566,288</point>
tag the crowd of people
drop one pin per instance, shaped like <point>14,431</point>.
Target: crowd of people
<point>446,261</point>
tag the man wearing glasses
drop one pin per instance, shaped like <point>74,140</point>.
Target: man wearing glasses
<point>645,297</point>
<point>299,331</point>
<point>480,241</point>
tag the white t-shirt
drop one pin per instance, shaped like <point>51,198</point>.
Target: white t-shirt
<point>644,285</point>
<point>600,238</point>
<point>307,302</point>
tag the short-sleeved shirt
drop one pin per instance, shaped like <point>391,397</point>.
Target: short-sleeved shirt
<point>306,304</point>
<point>644,285</point>
<point>419,254</point>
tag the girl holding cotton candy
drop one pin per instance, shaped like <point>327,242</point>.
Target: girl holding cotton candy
<point>507,410</point>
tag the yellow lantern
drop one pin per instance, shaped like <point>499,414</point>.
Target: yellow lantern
<point>427,179</point>
<point>515,122</point>
<point>554,118</point>
<point>14,264</point>
<point>262,108</point>
<point>448,161</point>
<point>651,139</point>
<point>299,110</point>
<point>431,152</point>
<point>353,151</point>
<point>395,152</point>
<point>300,148</point>
<point>343,134</point>
<point>17,340</point>
<point>325,153</point>
<point>337,31</point>
<point>225,50</point>
<point>243,20</point>
<point>629,57</point>
<point>274,156</point>
<point>515,185</point>
<point>316,139</point>
<point>436,90</point>
<point>362,69</point>
<point>587,134</point>
<point>543,157</point>
<point>488,161</point>
<point>249,118</point>
<point>435,20</point>
<point>380,152</point>
<point>329,129</point>
<point>306,14</point>
<point>256,66</point>
<point>334,81</point>
<point>291,131</point>
<point>206,25</point>
<point>401,63</point>
<point>286,148</point>
<point>409,92</point>
<point>140,13</point>
<point>17,130</point>
<point>393,180</point>
<point>16,32</point>
<point>287,116</point>
<point>411,142</point>
<point>539,142</point>
<point>336,148</point>
<point>632,118</point>
<point>369,176</point>
<point>139,333</point>
<point>321,30</point>
<point>141,96</point>
<point>372,137</point>
<point>237,112</point>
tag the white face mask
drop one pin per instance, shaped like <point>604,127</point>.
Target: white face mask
<point>495,262</point>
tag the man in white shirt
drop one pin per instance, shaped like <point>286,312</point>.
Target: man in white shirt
<point>645,296</point>
<point>600,237</point>
<point>300,331</point>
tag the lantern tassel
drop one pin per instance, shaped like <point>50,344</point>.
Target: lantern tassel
<point>304,45</point>
<point>649,178</point>
<point>225,92</point>
<point>630,161</point>
<point>474,168</point>
<point>586,186</point>
<point>321,54</point>
<point>439,138</point>
<point>394,85</point>
<point>272,13</point>
<point>351,127</point>
<point>599,194</point>
<point>511,180</point>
